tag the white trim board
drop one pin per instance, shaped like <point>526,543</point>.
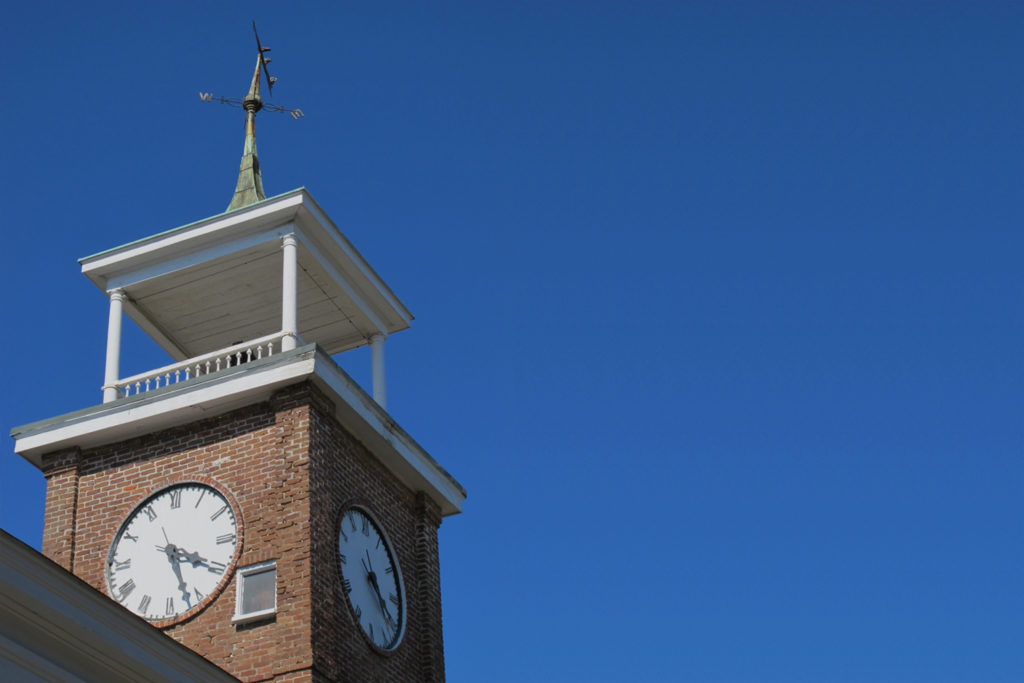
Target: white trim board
<point>223,391</point>
<point>165,259</point>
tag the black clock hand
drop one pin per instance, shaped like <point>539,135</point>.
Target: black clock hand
<point>372,577</point>
<point>380,599</point>
<point>369,563</point>
<point>172,551</point>
<point>194,558</point>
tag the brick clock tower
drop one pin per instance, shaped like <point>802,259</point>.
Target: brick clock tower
<point>250,499</point>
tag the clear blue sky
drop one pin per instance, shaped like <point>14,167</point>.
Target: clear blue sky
<point>718,304</point>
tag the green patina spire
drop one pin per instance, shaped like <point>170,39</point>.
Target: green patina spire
<point>249,189</point>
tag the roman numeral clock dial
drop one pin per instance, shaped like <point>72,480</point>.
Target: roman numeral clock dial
<point>370,578</point>
<point>173,553</point>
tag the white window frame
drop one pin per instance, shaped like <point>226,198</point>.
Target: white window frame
<point>241,575</point>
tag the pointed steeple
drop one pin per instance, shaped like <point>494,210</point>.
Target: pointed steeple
<point>249,189</point>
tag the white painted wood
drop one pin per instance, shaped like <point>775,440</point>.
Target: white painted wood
<point>392,445</point>
<point>190,368</point>
<point>241,581</point>
<point>186,403</point>
<point>180,241</point>
<point>155,331</point>
<point>341,243</point>
<point>380,391</point>
<point>215,395</point>
<point>113,361</point>
<point>54,627</point>
<point>289,292</point>
<point>188,261</point>
<point>347,288</point>
<point>204,286</point>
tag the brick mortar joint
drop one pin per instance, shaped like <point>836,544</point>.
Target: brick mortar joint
<point>427,510</point>
<point>61,462</point>
<point>53,472</point>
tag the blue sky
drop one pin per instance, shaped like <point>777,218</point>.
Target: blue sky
<point>718,305</point>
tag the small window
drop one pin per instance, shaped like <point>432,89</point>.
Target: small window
<point>256,595</point>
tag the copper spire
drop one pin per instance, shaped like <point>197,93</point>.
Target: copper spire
<point>249,188</point>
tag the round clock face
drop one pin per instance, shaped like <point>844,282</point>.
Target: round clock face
<point>371,578</point>
<point>174,552</point>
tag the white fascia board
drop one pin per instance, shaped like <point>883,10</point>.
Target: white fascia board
<point>127,277</point>
<point>342,244</point>
<point>178,404</point>
<point>342,282</point>
<point>238,230</point>
<point>181,242</point>
<point>53,622</point>
<point>405,458</point>
<point>244,385</point>
<point>128,273</point>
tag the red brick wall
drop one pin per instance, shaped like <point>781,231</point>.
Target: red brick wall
<point>289,466</point>
<point>428,583</point>
<point>62,471</point>
<point>343,470</point>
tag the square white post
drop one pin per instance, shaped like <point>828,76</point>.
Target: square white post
<point>113,368</point>
<point>289,293</point>
<point>380,392</point>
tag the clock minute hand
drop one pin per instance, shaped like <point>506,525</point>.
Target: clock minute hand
<point>372,576</point>
<point>172,551</point>
<point>380,598</point>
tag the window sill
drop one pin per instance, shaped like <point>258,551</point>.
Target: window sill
<point>253,616</point>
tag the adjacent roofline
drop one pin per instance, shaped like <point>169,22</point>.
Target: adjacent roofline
<point>54,626</point>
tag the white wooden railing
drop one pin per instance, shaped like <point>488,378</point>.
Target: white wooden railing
<point>200,365</point>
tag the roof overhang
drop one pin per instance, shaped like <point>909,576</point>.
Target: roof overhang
<point>210,284</point>
<point>56,627</point>
<point>242,385</point>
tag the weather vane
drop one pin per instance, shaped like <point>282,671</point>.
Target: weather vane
<point>253,98</point>
<point>250,183</point>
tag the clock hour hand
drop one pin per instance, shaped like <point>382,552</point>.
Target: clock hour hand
<point>182,554</point>
<point>194,558</point>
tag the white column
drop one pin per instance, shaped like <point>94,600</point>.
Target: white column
<point>290,293</point>
<point>113,369</point>
<point>380,391</point>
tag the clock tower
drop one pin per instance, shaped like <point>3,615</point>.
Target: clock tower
<point>249,498</point>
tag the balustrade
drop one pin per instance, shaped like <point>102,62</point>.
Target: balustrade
<point>199,366</point>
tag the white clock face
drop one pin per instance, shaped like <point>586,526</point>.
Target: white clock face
<point>174,552</point>
<point>371,578</point>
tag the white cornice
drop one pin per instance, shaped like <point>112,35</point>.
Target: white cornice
<point>182,282</point>
<point>243,385</point>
